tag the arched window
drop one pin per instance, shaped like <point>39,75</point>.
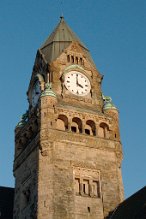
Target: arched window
<point>62,123</point>
<point>90,128</point>
<point>76,125</point>
<point>76,60</point>
<point>72,59</point>
<point>68,58</point>
<point>81,61</point>
<point>103,130</point>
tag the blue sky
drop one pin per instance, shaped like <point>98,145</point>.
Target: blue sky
<point>115,33</point>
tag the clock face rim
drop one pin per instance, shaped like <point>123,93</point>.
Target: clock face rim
<point>82,80</point>
<point>35,96</point>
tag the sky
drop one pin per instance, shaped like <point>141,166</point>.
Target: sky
<point>115,33</point>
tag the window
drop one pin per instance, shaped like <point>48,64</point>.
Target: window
<point>87,182</point>
<point>81,61</point>
<point>68,58</point>
<point>76,122</point>
<point>72,59</point>
<point>73,129</point>
<point>62,123</point>
<point>87,131</point>
<point>96,189</point>
<point>91,126</point>
<point>86,187</point>
<point>103,130</point>
<point>77,186</point>
<point>76,60</point>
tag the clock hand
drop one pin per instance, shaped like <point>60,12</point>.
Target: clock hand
<point>80,85</point>
<point>77,79</point>
<point>77,82</point>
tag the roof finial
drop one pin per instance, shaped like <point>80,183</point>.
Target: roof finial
<point>61,17</point>
<point>61,7</point>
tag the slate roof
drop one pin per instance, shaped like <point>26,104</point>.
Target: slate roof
<point>6,202</point>
<point>59,40</point>
<point>132,208</point>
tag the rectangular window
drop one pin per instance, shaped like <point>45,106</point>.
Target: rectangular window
<point>86,187</point>
<point>77,186</point>
<point>96,189</point>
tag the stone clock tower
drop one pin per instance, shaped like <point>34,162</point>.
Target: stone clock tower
<point>68,151</point>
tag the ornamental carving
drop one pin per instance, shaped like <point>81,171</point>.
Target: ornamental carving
<point>45,153</point>
<point>44,134</point>
<point>75,48</point>
<point>87,182</point>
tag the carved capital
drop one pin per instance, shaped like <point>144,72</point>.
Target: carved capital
<point>44,153</point>
<point>43,134</point>
<point>44,147</point>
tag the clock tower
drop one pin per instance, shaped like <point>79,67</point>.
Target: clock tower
<point>68,151</point>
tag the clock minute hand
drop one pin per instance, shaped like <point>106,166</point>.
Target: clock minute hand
<point>77,79</point>
<point>77,82</point>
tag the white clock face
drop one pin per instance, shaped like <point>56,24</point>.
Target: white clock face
<point>77,83</point>
<point>36,92</point>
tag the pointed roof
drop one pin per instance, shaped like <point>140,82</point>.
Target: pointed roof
<point>59,40</point>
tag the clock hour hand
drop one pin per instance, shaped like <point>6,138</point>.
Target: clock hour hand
<point>80,85</point>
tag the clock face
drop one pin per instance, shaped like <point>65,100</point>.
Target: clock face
<point>77,83</point>
<point>36,92</point>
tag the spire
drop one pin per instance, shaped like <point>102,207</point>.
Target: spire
<point>59,40</point>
